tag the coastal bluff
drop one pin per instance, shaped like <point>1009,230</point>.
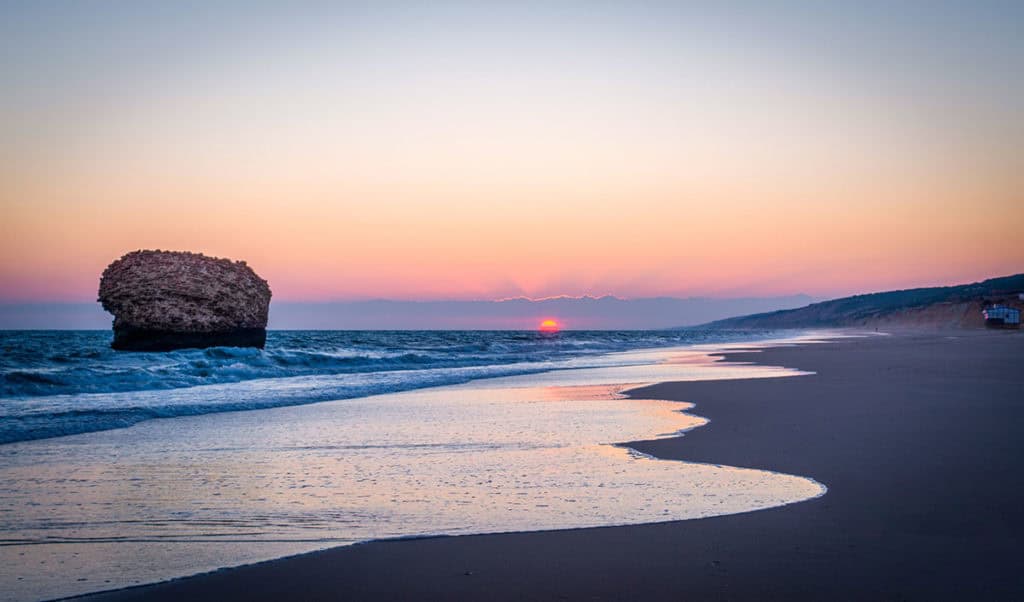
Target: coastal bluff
<point>932,308</point>
<point>165,300</point>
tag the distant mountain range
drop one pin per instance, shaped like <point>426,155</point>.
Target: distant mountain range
<point>945,306</point>
<point>584,313</point>
<point>938,307</point>
<point>591,313</point>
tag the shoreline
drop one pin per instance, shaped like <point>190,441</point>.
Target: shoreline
<point>258,451</point>
<point>289,381</point>
<point>893,523</point>
<point>624,393</point>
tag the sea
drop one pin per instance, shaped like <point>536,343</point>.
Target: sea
<point>55,383</point>
<point>122,468</point>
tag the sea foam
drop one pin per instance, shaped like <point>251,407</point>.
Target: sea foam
<point>60,383</point>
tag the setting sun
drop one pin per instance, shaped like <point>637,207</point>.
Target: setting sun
<point>549,326</point>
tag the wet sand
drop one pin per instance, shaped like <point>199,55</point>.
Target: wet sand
<point>918,438</point>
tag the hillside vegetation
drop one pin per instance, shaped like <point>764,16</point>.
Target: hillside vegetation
<point>937,307</point>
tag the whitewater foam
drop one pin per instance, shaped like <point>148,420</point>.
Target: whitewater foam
<point>63,383</point>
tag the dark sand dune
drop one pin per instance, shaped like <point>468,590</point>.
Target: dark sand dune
<point>919,439</point>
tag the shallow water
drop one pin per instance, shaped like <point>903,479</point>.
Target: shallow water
<point>55,383</point>
<point>173,497</point>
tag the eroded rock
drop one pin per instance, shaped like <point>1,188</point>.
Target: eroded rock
<point>163,300</point>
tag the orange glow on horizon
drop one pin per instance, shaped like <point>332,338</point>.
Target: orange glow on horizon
<point>549,326</point>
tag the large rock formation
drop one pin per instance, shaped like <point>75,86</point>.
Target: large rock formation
<point>163,300</point>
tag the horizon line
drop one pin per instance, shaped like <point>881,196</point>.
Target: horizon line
<point>584,297</point>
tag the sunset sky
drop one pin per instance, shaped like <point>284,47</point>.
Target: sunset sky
<point>436,150</point>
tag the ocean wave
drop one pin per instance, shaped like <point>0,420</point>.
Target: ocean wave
<point>69,363</point>
<point>61,383</point>
<point>55,416</point>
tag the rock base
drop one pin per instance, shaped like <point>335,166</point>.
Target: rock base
<point>136,339</point>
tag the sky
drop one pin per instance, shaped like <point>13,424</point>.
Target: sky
<point>476,150</point>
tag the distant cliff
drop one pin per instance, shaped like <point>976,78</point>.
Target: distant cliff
<point>937,307</point>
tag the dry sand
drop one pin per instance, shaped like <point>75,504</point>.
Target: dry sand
<point>918,438</point>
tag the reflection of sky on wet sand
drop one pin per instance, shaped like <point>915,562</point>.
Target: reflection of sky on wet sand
<point>173,497</point>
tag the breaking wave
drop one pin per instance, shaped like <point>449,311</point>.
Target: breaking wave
<point>59,382</point>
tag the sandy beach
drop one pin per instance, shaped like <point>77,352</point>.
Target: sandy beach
<point>511,301</point>
<point>915,435</point>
